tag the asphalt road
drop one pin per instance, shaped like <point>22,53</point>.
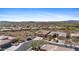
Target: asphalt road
<point>24,46</point>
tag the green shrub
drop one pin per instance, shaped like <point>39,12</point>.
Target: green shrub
<point>36,44</point>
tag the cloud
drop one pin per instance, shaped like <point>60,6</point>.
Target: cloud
<point>43,16</point>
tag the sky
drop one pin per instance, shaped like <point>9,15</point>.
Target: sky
<point>38,14</point>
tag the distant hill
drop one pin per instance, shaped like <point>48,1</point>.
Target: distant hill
<point>68,22</point>
<point>72,21</point>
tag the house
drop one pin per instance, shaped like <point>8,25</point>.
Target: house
<point>38,38</point>
<point>42,33</point>
<point>25,28</point>
<point>16,29</point>
<point>57,34</point>
<point>49,47</point>
<point>75,34</point>
<point>5,41</point>
<point>5,29</point>
<point>34,28</point>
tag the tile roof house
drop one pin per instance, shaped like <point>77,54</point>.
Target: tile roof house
<point>5,41</point>
<point>76,34</point>
<point>42,33</point>
<point>49,47</point>
<point>38,38</point>
<point>59,33</point>
<point>5,30</point>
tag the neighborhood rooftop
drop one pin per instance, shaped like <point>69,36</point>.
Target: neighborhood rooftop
<point>49,47</point>
<point>4,40</point>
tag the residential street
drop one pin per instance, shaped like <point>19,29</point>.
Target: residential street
<point>24,46</point>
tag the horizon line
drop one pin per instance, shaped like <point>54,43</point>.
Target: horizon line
<point>40,21</point>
